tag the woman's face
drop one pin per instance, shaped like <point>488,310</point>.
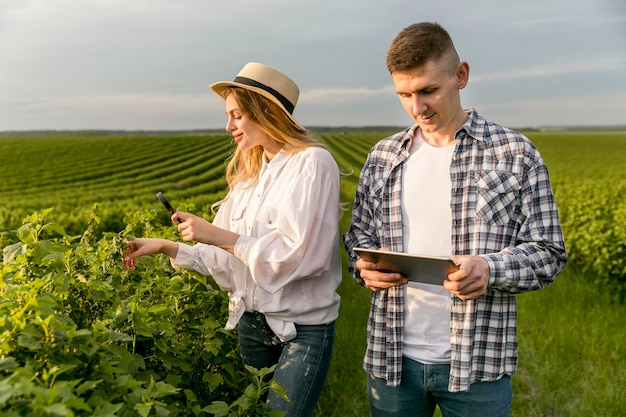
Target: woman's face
<point>246,133</point>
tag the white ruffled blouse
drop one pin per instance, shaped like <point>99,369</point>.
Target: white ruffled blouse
<point>286,264</point>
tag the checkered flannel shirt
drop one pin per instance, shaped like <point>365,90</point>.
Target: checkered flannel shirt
<point>503,209</point>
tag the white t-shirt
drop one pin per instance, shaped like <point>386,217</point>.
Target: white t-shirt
<point>426,230</point>
<point>286,264</point>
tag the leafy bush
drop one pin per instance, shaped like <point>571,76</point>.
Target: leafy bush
<point>122,173</point>
<point>594,224</point>
<point>81,336</point>
<point>589,181</point>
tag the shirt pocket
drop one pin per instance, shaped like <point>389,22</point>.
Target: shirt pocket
<point>266,219</point>
<point>236,221</point>
<point>498,196</point>
<point>376,194</point>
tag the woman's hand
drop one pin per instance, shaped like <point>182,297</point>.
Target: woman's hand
<point>194,228</point>
<point>148,246</point>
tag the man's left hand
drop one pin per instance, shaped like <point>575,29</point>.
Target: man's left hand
<point>470,281</point>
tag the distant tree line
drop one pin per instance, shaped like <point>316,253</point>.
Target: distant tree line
<point>315,129</point>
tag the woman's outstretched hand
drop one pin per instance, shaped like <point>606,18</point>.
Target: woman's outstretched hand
<point>147,246</point>
<point>192,228</point>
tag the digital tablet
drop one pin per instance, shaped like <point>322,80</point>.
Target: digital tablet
<point>418,268</point>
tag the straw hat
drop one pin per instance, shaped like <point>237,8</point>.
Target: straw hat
<point>265,81</point>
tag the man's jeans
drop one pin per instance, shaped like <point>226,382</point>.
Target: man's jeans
<point>425,386</point>
<point>303,362</point>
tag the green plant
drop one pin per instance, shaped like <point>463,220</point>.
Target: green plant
<point>81,336</point>
<point>252,396</point>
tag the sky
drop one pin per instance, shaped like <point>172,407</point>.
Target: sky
<point>148,64</point>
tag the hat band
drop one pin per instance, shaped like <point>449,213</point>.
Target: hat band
<point>252,83</point>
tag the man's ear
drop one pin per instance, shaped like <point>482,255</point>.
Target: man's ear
<point>462,75</point>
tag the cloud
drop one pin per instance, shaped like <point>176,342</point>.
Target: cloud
<point>569,111</point>
<point>343,95</point>
<point>587,19</point>
<point>584,67</point>
<point>116,111</point>
<point>148,63</point>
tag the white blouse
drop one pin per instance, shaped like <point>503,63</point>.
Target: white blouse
<point>286,263</point>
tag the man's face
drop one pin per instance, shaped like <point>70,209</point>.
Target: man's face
<point>430,95</point>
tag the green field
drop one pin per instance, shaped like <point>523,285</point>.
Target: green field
<point>572,352</point>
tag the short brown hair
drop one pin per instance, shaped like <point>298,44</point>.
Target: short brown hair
<point>420,43</point>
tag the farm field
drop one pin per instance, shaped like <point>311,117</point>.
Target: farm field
<point>571,347</point>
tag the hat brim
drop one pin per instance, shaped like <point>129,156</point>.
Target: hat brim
<point>221,88</point>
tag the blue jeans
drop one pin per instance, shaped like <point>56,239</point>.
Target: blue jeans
<point>303,362</point>
<point>423,387</point>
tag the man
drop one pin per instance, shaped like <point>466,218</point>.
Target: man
<point>452,184</point>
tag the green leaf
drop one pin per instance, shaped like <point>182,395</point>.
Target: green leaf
<point>77,404</point>
<point>13,251</point>
<point>163,389</point>
<point>28,342</point>
<point>251,391</point>
<point>41,249</point>
<point>27,232</point>
<point>57,409</point>
<point>143,409</point>
<point>107,410</point>
<point>79,333</point>
<point>190,396</point>
<point>54,228</point>
<point>279,389</point>
<point>6,391</point>
<point>159,309</point>
<point>119,337</point>
<point>60,369</point>
<point>214,380</point>
<point>45,212</point>
<point>217,408</point>
<point>87,386</point>
<point>161,344</point>
<point>8,363</point>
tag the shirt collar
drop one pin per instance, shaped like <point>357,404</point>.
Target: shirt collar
<point>278,161</point>
<point>474,127</point>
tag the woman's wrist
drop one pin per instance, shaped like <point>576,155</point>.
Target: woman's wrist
<point>169,248</point>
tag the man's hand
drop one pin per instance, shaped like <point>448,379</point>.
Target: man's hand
<point>470,281</point>
<point>376,279</point>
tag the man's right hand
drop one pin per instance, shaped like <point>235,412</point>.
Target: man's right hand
<point>379,280</point>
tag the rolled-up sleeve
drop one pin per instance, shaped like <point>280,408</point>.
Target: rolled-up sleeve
<point>207,260</point>
<point>539,254</point>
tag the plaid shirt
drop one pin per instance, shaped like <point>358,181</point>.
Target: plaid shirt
<point>503,209</point>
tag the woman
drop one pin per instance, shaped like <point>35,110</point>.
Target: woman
<point>274,243</point>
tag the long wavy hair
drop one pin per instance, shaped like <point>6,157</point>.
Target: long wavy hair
<point>244,166</point>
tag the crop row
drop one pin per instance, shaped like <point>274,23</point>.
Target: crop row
<point>72,174</point>
<point>110,163</point>
<point>121,174</point>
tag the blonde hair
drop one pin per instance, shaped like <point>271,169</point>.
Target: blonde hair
<point>244,166</point>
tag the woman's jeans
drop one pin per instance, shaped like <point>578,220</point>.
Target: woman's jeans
<point>303,362</point>
<point>425,386</point>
